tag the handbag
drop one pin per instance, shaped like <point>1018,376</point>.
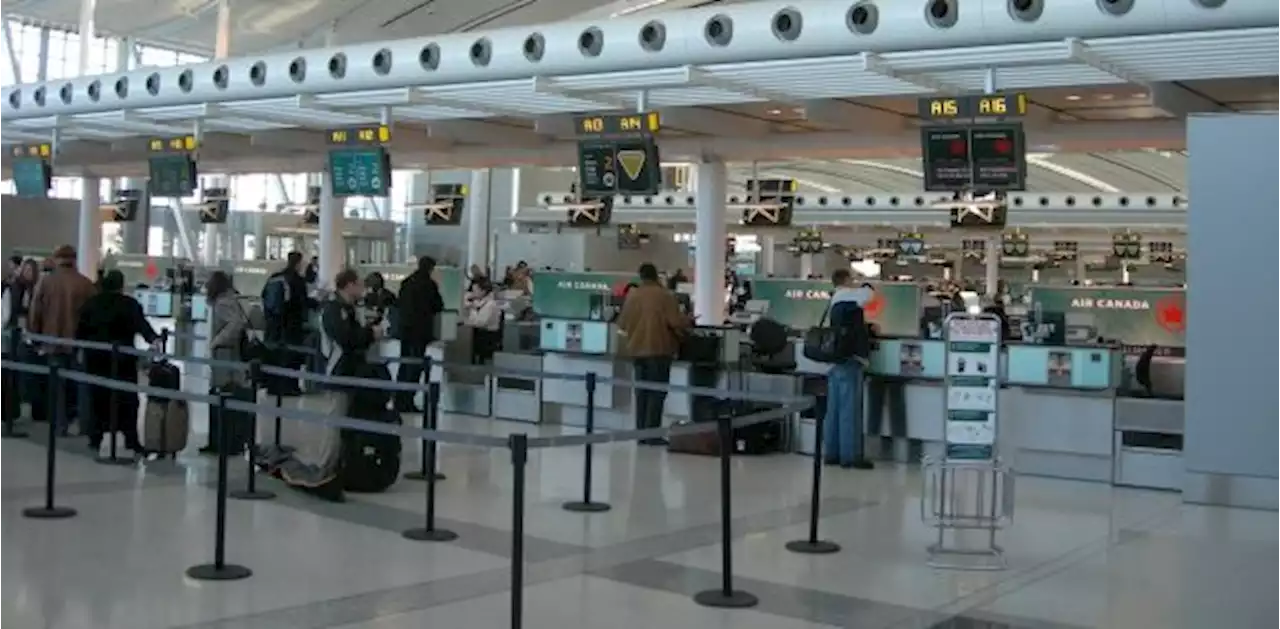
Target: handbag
<point>251,348</point>
<point>826,344</point>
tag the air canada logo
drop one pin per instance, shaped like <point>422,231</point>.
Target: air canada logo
<point>1170,313</point>
<point>620,289</point>
<point>874,307</point>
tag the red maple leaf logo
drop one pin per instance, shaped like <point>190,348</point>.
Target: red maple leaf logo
<point>874,307</point>
<point>1171,315</point>
<point>620,289</point>
<point>958,148</point>
<point>1002,146</point>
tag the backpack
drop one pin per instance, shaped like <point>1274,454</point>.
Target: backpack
<point>275,295</point>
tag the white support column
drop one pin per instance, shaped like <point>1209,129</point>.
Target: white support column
<point>708,271</point>
<point>333,251</point>
<point>768,248</point>
<point>419,190</point>
<point>222,36</point>
<point>42,62</point>
<point>806,265</point>
<point>1082,269</point>
<point>134,235</point>
<point>88,15</point>
<point>89,244</point>
<point>478,201</point>
<point>992,277</point>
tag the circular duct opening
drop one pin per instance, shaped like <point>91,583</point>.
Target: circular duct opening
<point>382,62</point>
<point>648,200</point>
<point>799,200</point>
<point>1026,10</point>
<point>846,201</point>
<point>591,42</point>
<point>869,201</point>
<point>894,201</point>
<point>429,57</point>
<point>153,83</point>
<point>258,73</point>
<point>535,46</point>
<point>1115,7</point>
<point>1017,201</point>
<point>298,69</point>
<point>719,30</point>
<point>653,36</point>
<point>919,201</point>
<point>481,52</point>
<point>186,81</point>
<point>1044,201</point>
<point>122,87</point>
<point>220,77</point>
<point>65,93</point>
<point>1151,201</point>
<point>15,99</point>
<point>787,24</point>
<point>546,199</point>
<point>941,13</point>
<point>1097,202</point>
<point>1071,201</point>
<point>670,200</point>
<point>1209,4</point>
<point>95,91</point>
<point>38,96</point>
<point>338,66</point>
<point>689,200</point>
<point>1178,201</point>
<point>863,18</point>
<point>822,200</point>
<point>1124,201</point>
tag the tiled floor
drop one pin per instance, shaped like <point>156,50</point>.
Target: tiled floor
<point>1081,555</point>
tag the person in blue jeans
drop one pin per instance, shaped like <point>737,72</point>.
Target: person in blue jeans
<point>843,423</point>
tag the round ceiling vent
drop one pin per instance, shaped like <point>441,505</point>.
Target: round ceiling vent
<point>186,81</point>
<point>943,13</point>
<point>863,18</point>
<point>719,30</point>
<point>298,69</point>
<point>38,95</point>
<point>153,83</point>
<point>338,66</point>
<point>1115,7</point>
<point>1026,10</point>
<point>122,87</point>
<point>221,76</point>
<point>481,52</point>
<point>653,36</point>
<point>258,74</point>
<point>787,24</point>
<point>66,92</point>
<point>429,57</point>
<point>382,62</point>
<point>535,45</point>
<point>94,90</point>
<point>591,42</point>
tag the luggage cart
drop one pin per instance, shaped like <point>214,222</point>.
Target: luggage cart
<point>968,492</point>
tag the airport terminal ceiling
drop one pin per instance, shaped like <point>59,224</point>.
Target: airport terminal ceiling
<point>1107,114</point>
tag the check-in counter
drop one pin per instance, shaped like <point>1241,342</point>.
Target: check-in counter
<point>1057,405</point>
<point>461,391</point>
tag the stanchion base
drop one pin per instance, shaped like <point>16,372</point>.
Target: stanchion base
<point>421,476</point>
<point>815,547</point>
<point>587,507</point>
<point>211,572</point>
<point>106,460</point>
<point>14,434</point>
<point>48,513</point>
<point>430,535</point>
<point>257,494</point>
<point>736,599</point>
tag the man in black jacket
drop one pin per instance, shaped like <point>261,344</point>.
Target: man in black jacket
<point>420,303</point>
<point>286,307</point>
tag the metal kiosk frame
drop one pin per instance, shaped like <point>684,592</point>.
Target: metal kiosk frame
<point>969,490</point>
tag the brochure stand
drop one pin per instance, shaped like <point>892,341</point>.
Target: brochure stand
<point>968,492</point>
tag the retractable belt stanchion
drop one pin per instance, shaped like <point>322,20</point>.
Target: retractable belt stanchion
<point>57,406</point>
<point>430,413</point>
<point>428,532</point>
<point>113,415</point>
<point>726,596</point>
<point>251,491</point>
<point>275,439</point>
<point>14,382</point>
<point>812,545</point>
<point>220,570</point>
<point>519,457</point>
<point>586,505</point>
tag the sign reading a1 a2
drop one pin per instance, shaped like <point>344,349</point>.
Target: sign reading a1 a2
<point>360,172</point>
<point>608,167</point>
<point>985,157</point>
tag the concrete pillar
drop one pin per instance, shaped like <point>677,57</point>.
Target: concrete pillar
<point>1082,268</point>
<point>89,244</point>
<point>419,191</point>
<point>333,251</point>
<point>222,36</point>
<point>768,249</point>
<point>708,278</point>
<point>478,201</point>
<point>992,276</point>
<point>88,13</point>
<point>806,265</point>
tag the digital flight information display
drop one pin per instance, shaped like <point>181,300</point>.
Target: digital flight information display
<point>974,157</point>
<point>617,154</point>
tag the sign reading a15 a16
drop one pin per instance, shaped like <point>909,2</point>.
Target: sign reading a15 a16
<point>973,106</point>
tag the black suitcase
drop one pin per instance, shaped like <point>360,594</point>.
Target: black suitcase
<point>371,460</point>
<point>240,424</point>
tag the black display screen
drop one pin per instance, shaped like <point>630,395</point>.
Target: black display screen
<point>985,157</point>
<point>947,165</point>
<point>624,166</point>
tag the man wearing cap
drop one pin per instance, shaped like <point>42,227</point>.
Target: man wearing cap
<point>55,308</point>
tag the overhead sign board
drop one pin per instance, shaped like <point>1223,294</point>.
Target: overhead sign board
<point>601,213</point>
<point>608,167</point>
<point>989,157</point>
<point>972,106</point>
<point>447,203</point>
<point>367,135</point>
<point>43,150</point>
<point>172,175</point>
<point>175,144</point>
<point>767,216</point>
<point>360,172</point>
<point>605,125</point>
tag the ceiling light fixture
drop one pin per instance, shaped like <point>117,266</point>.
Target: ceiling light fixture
<point>775,112</point>
<point>1073,97</point>
<point>1106,96</point>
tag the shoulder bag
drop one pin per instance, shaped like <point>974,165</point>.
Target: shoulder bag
<point>826,344</point>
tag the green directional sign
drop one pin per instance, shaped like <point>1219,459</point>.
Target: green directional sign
<point>172,175</point>
<point>360,172</point>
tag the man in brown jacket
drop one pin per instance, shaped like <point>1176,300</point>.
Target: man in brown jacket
<point>653,323</point>
<point>55,310</point>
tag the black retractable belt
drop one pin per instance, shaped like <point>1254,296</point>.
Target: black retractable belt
<point>586,505</point>
<point>725,595</point>
<point>251,491</point>
<point>220,570</point>
<point>57,406</point>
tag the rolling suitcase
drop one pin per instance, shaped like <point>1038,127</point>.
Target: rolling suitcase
<point>370,460</point>
<point>165,426</point>
<point>240,424</point>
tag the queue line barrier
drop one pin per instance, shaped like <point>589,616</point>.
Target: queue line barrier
<point>519,445</point>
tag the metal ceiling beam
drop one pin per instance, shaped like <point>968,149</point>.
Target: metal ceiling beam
<point>548,85</point>
<point>1179,101</point>
<point>875,64</point>
<point>14,62</point>
<point>483,133</point>
<point>700,77</point>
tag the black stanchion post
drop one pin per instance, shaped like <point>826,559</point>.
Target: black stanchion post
<point>428,532</point>
<point>13,388</point>
<point>113,414</point>
<point>251,491</point>
<point>57,406</point>
<point>519,457</point>
<point>812,545</point>
<point>726,596</point>
<point>430,414</point>
<point>586,505</point>
<point>279,402</point>
<point>220,570</point>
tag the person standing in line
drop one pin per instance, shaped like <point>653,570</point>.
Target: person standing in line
<point>285,306</point>
<point>653,323</point>
<point>843,425</point>
<point>421,304</point>
<point>55,311</point>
